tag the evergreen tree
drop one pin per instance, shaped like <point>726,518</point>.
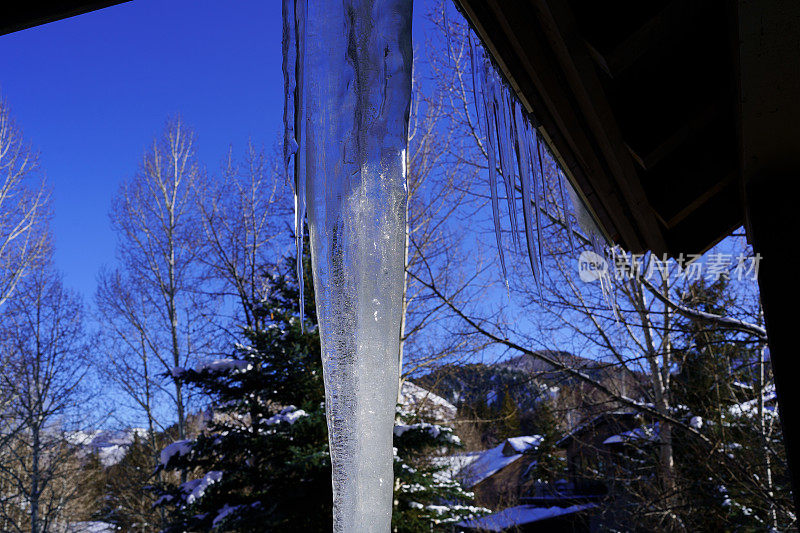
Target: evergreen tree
<point>509,419</point>
<point>717,390</point>
<point>125,504</point>
<point>263,462</point>
<point>425,499</point>
<point>549,465</point>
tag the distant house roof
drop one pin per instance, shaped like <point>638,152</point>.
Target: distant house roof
<point>516,445</point>
<point>495,459</point>
<point>592,423</point>
<point>639,435</point>
<point>514,517</point>
<point>452,465</point>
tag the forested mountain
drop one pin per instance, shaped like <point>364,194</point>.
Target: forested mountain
<point>527,379</point>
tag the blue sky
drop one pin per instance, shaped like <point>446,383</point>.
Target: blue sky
<point>90,93</point>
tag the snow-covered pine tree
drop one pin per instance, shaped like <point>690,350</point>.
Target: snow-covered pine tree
<point>262,464</point>
<point>425,498</point>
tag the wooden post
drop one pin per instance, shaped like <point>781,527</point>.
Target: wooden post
<point>769,83</point>
<point>774,230</point>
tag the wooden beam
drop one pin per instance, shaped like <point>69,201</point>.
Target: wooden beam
<point>769,83</point>
<point>673,141</point>
<point>569,48</point>
<point>773,227</point>
<point>663,29</point>
<point>728,181</point>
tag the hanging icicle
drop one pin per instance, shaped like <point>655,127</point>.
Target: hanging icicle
<point>348,111</point>
<point>514,152</point>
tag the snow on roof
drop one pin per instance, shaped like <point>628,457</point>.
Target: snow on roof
<point>452,465</point>
<point>497,458</point>
<point>520,515</point>
<point>416,399</point>
<point>641,435</point>
<point>522,444</point>
<point>90,527</point>
<point>585,426</point>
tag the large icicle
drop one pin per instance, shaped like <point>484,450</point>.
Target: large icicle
<point>352,102</point>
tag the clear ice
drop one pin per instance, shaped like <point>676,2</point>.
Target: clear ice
<point>347,68</point>
<point>510,137</point>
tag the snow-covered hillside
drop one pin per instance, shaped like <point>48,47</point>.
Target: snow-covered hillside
<point>110,445</point>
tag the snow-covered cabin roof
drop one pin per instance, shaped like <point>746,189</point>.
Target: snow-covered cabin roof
<point>415,399</point>
<point>520,444</point>
<point>495,459</point>
<point>590,424</point>
<point>452,465</point>
<point>639,435</point>
<point>520,515</point>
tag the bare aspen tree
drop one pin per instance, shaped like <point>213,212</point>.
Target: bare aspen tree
<point>439,205</point>
<point>244,213</point>
<point>42,348</point>
<point>630,330</point>
<point>24,209</point>
<point>160,280</point>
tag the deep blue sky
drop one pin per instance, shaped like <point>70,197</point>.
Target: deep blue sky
<point>90,92</point>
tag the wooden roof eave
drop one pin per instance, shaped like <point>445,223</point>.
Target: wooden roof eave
<point>553,77</point>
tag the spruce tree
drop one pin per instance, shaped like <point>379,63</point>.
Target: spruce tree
<point>262,464</point>
<point>509,419</point>
<point>716,390</point>
<point>425,498</point>
<point>549,465</point>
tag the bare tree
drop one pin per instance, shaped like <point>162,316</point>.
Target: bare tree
<point>42,348</point>
<point>439,205</point>
<point>155,304</point>
<point>244,213</point>
<point>24,209</point>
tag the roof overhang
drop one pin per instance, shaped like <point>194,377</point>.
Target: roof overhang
<point>16,16</point>
<point>638,103</point>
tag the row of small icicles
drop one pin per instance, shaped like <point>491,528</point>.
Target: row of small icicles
<point>513,147</point>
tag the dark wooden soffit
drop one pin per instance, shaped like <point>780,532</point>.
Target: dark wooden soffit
<point>22,14</point>
<point>638,102</point>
